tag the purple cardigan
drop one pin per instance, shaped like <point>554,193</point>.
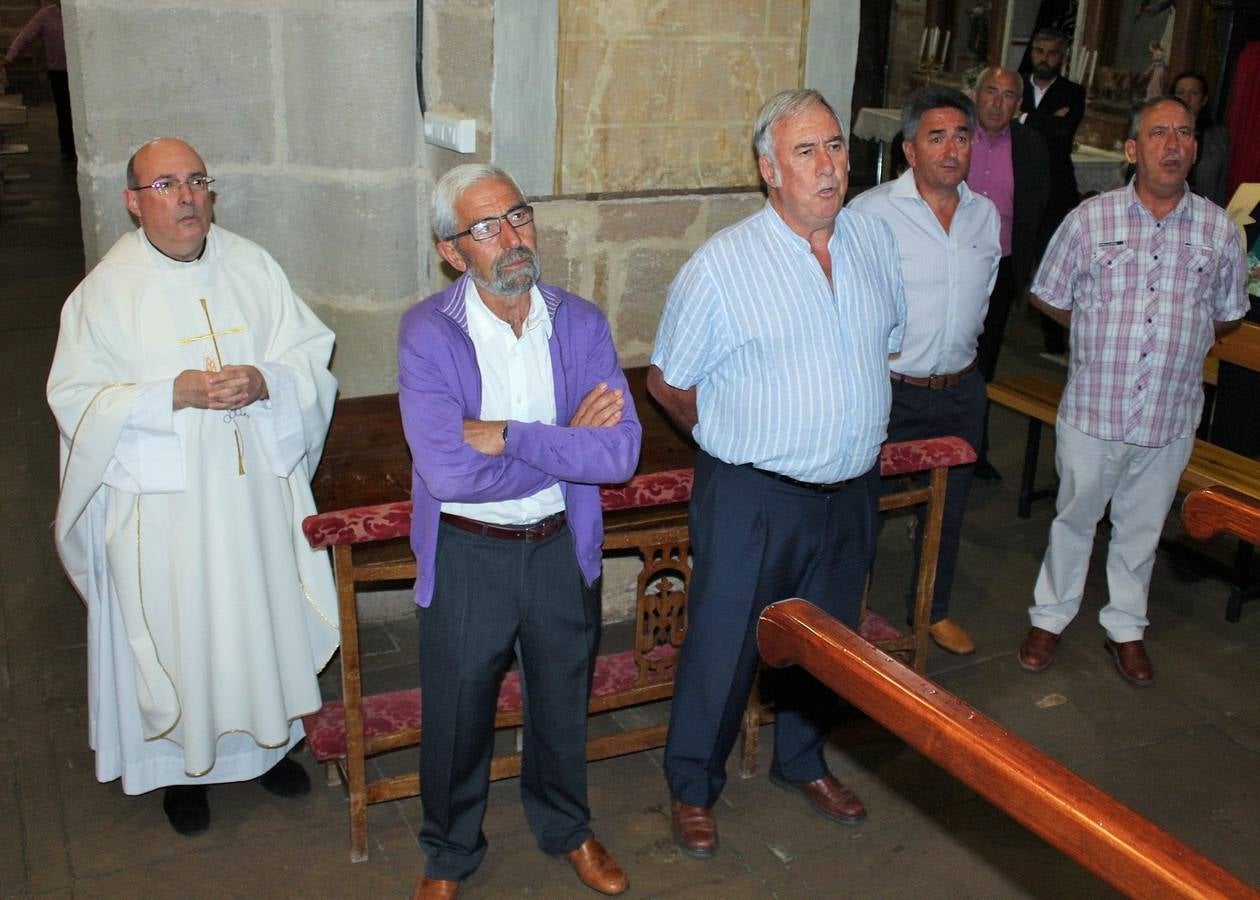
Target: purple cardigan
<point>439,385</point>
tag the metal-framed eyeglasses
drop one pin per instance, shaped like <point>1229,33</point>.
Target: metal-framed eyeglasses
<point>483,230</point>
<point>164,187</point>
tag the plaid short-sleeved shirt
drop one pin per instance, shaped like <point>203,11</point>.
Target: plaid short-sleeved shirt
<point>1144,295</point>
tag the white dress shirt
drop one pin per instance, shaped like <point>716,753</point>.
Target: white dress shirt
<point>948,275</point>
<point>516,384</point>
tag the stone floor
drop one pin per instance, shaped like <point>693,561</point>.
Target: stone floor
<point>1185,752</point>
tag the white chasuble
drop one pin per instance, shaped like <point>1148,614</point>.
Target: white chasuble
<point>209,616</point>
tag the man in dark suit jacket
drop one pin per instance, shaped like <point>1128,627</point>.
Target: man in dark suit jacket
<point>1008,165</point>
<point>1054,106</point>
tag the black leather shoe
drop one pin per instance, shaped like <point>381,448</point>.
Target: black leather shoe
<point>187,808</point>
<point>286,778</point>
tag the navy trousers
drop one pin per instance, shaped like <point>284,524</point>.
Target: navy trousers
<point>920,412</point>
<point>494,599</point>
<point>756,541</point>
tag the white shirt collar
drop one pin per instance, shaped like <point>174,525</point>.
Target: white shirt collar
<point>905,186</point>
<point>1039,92</point>
<point>486,324</point>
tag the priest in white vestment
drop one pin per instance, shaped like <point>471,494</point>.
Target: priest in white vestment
<point>192,392</point>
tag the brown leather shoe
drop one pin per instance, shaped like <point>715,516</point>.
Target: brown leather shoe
<point>1037,651</point>
<point>828,796</point>
<point>435,889</point>
<point>1131,661</point>
<point>694,829</point>
<point>949,635</point>
<point>597,869</point>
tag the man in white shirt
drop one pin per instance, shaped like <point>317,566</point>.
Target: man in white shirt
<point>192,392</point>
<point>948,240</point>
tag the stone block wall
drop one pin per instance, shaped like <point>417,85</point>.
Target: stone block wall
<point>660,95</point>
<point>622,254</point>
<point>305,114</point>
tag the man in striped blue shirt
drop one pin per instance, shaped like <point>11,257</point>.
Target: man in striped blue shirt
<point>773,353</point>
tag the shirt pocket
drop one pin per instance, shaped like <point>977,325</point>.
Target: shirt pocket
<point>1196,265</point>
<point>1114,272</point>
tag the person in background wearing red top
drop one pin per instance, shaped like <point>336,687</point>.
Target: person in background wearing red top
<point>46,25</point>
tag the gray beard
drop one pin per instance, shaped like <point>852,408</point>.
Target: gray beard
<point>512,285</point>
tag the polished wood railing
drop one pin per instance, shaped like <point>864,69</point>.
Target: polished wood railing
<point>1131,853</point>
<point>1215,510</point>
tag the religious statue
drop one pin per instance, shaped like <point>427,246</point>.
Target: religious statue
<point>978,29</point>
<point>1156,74</point>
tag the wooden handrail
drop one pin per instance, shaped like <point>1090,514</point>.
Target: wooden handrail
<point>1130,852</point>
<point>1214,510</point>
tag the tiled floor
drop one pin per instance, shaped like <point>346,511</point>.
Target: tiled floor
<point>1185,753</point>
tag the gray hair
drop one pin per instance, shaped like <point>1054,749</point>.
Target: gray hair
<point>934,97</point>
<point>451,187</point>
<point>993,72</point>
<point>1135,117</point>
<point>1049,34</point>
<point>784,105</point>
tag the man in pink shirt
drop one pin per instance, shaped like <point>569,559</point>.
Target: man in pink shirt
<point>1008,165</point>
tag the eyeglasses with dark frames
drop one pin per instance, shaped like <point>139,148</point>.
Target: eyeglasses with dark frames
<point>483,230</point>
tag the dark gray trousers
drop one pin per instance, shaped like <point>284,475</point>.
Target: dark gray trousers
<point>494,599</point>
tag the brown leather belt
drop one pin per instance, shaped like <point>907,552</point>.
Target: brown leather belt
<point>535,531</point>
<point>935,382</point>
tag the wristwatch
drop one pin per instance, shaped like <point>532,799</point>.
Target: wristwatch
<point>505,425</point>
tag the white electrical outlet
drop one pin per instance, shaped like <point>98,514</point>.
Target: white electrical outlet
<point>459,135</point>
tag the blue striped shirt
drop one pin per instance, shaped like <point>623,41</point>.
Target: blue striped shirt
<point>791,373</point>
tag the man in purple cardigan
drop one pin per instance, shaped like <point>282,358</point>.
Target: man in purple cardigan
<point>516,410</point>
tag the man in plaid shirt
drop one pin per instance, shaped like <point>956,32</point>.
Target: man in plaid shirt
<point>1147,276</point>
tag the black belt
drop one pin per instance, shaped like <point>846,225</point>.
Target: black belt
<point>808,485</point>
<point>535,531</point>
<point>935,382</point>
